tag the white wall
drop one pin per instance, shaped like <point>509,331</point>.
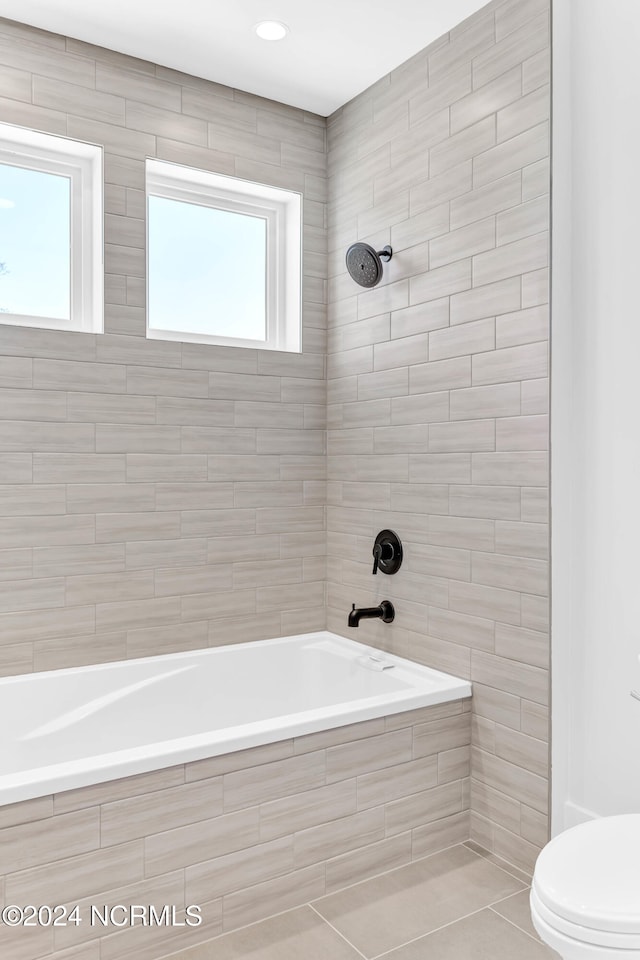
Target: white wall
<point>596,409</point>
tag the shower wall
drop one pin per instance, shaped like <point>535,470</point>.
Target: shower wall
<point>437,388</point>
<point>157,496</point>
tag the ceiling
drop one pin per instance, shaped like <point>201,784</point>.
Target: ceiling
<point>335,49</point>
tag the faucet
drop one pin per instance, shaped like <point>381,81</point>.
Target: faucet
<point>384,612</point>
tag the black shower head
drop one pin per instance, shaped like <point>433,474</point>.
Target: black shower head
<point>365,264</point>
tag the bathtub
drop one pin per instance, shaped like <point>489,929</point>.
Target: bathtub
<point>70,728</point>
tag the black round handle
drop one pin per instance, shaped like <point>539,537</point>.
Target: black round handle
<point>388,611</point>
<point>387,552</point>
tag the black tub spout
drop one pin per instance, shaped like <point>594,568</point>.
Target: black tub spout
<point>384,612</point>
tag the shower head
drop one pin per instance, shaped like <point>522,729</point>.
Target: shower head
<point>365,265</point>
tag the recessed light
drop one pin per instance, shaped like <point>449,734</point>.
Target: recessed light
<point>271,30</point>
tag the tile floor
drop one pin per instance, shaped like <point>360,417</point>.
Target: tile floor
<point>459,904</point>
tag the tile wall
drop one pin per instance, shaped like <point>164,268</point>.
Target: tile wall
<point>157,496</point>
<point>437,387</point>
<point>242,836</point>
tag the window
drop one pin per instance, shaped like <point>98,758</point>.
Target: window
<point>223,259</point>
<point>51,272</point>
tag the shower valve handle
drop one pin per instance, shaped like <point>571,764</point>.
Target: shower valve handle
<point>387,552</point>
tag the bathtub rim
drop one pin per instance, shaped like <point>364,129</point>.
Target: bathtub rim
<point>117,765</point>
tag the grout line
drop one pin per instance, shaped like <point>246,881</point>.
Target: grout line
<point>423,936</point>
<point>513,924</point>
<point>335,930</point>
<point>465,916</point>
<point>504,869</point>
<point>384,873</point>
<point>229,933</point>
<point>366,880</point>
<point>508,897</point>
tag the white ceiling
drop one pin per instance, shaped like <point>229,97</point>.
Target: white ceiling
<point>336,48</point>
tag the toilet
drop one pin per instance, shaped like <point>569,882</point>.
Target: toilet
<point>585,893</point>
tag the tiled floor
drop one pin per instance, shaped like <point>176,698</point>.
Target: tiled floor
<point>453,905</point>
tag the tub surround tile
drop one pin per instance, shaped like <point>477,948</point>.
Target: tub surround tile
<point>119,527</point>
<point>299,812</point>
<point>54,344</point>
<point>364,862</point>
<point>289,836</point>
<point>438,834</point>
<point>199,841</point>
<point>17,435</point>
<point>78,468</point>
<point>512,780</point>
<point>128,614</point>
<point>490,803</point>
<point>523,750</point>
<point>493,704</point>
<point>417,809</point>
<point>127,424</point>
<point>347,734</point>
<point>436,736</point>
<point>129,819</point>
<point>535,720</point>
<point>16,658</point>
<point>245,788</point>
<point>305,931</point>
<point>26,943</point>
<point>241,760</point>
<point>273,896</point>
<point>214,879</point>
<point>528,682</point>
<point>196,579</point>
<point>16,468</point>
<point>459,342</point>
<point>359,758</point>
<point>152,641</point>
<point>188,496</point>
<point>167,889</point>
<point>164,553</point>
<point>77,876</point>
<point>535,612</point>
<point>203,606</point>
<point>534,826</point>
<point>28,404</point>
<point>115,790</point>
<point>343,834</point>
<point>105,587</point>
<point>89,498</point>
<point>516,848</point>
<point>408,718</point>
<point>480,293</point>
<point>31,626</point>
<point>15,813</point>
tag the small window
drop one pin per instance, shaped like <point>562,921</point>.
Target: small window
<point>51,272</point>
<point>223,259</point>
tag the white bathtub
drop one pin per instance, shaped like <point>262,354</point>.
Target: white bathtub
<point>70,728</point>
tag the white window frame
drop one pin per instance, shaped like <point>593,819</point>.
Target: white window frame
<point>82,164</point>
<point>282,211</point>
